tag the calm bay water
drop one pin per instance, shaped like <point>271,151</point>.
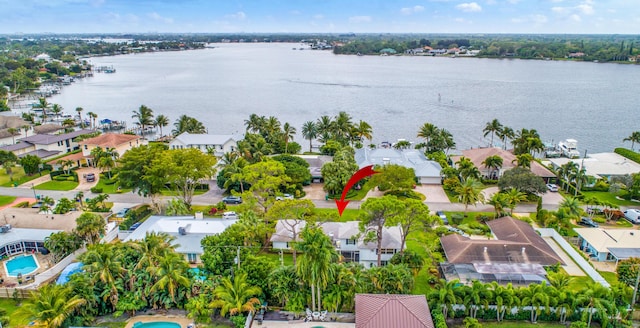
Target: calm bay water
<point>597,104</point>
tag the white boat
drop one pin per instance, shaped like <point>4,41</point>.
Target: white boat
<point>569,148</point>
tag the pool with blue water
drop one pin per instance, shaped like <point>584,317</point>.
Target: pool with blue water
<point>22,264</point>
<point>156,324</point>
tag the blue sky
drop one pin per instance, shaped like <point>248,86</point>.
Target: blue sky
<point>331,16</point>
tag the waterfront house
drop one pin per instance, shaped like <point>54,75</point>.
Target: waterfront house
<point>218,144</point>
<point>20,240</point>
<point>611,245</point>
<point>509,161</point>
<point>601,165</point>
<point>187,230</point>
<point>515,253</point>
<point>46,145</point>
<point>427,171</point>
<point>346,237</point>
<point>121,143</point>
<point>382,311</point>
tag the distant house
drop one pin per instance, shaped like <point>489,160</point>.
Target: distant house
<point>346,237</point>
<point>384,311</point>
<point>610,245</point>
<point>427,171</point>
<point>601,165</point>
<point>187,230</point>
<point>216,143</point>
<point>46,145</point>
<point>120,142</point>
<point>576,55</point>
<point>315,165</point>
<point>509,161</point>
<point>516,254</point>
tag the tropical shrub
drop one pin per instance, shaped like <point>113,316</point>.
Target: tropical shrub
<point>628,153</point>
<point>96,190</point>
<point>457,218</point>
<point>64,205</point>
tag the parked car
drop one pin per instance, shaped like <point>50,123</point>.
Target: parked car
<point>91,177</point>
<point>552,187</point>
<point>230,215</point>
<point>135,226</point>
<point>587,222</point>
<point>232,200</point>
<point>284,196</point>
<point>632,215</point>
<point>123,212</point>
<point>442,217</point>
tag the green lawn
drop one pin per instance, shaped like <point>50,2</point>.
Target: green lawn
<point>18,177</point>
<point>110,188</point>
<point>287,257</point>
<point>57,185</point>
<point>5,200</point>
<point>167,192</point>
<point>610,277</point>
<point>15,320</point>
<point>114,324</point>
<point>348,214</point>
<point>608,197</point>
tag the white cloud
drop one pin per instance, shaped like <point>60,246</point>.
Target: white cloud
<point>539,19</point>
<point>360,19</point>
<point>585,9</point>
<point>155,16</point>
<point>575,18</point>
<point>239,15</point>
<point>559,10</point>
<point>469,7</point>
<point>411,10</point>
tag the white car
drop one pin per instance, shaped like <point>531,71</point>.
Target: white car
<point>230,215</point>
<point>284,196</point>
<point>552,187</point>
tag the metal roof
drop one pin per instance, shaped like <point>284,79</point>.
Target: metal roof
<point>21,234</point>
<point>187,138</point>
<point>383,311</point>
<point>409,158</point>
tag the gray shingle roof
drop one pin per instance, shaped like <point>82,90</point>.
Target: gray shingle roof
<point>20,234</point>
<point>204,139</point>
<point>410,158</point>
<point>47,139</point>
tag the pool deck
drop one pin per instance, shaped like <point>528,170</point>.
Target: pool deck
<point>181,320</point>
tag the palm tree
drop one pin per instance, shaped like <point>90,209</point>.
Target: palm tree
<point>492,128</point>
<point>79,111</point>
<point>236,297</point>
<point>288,133</point>
<point>596,298</point>
<point>26,129</point>
<point>427,132</point>
<point>255,123</point>
<point>56,110</point>
<point>342,126</point>
<point>144,115</point>
<point>467,169</point>
<point>361,131</point>
<point>514,197</point>
<point>505,134</point>
<point>634,137</point>
<point>535,297</point>
<point>90,227</point>
<point>470,192</point>
<point>171,272</point>
<point>314,264</point>
<point>309,131</point>
<point>504,298</point>
<point>103,264</point>
<point>523,160</point>
<point>325,128</point>
<point>500,202</point>
<point>161,121</point>
<point>475,295</point>
<point>571,206</point>
<point>188,124</point>
<point>445,296</point>
<point>51,305</point>
<point>493,164</point>
<point>44,105</point>
<point>94,117</point>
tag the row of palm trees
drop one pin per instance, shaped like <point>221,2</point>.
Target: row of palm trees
<point>145,118</point>
<point>340,128</point>
<point>559,298</point>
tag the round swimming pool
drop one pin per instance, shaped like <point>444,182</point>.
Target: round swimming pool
<point>156,324</point>
<point>24,264</point>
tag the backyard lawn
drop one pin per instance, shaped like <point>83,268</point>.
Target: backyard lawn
<point>608,197</point>
<point>57,185</point>
<point>15,320</point>
<point>4,200</point>
<point>18,177</point>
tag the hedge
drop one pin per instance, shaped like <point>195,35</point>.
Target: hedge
<point>628,153</point>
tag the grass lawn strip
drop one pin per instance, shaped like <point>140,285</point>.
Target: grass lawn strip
<point>57,185</point>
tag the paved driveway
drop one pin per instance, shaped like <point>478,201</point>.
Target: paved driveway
<point>83,185</point>
<point>434,193</point>
<point>552,198</point>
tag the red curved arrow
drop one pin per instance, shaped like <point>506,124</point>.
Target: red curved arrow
<point>361,174</point>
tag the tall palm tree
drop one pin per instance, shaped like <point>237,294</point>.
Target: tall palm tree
<point>91,120</point>
<point>535,297</point>
<point>595,298</point>
<point>325,128</point>
<point>103,264</point>
<point>236,297</point>
<point>161,121</point>
<point>500,202</point>
<point>56,110</point>
<point>571,206</point>
<point>470,192</point>
<point>361,131</point>
<point>13,132</point>
<point>51,305</point>
<point>514,197</point>
<point>506,134</point>
<point>634,137</point>
<point>26,129</point>
<point>309,131</point>
<point>503,297</point>
<point>342,126</point>
<point>188,124</point>
<point>144,115</point>
<point>445,296</point>
<point>427,131</point>
<point>493,127</point>
<point>289,131</point>
<point>493,164</point>
<point>172,274</point>
<point>314,264</point>
<point>523,160</point>
<point>475,296</point>
<point>44,105</point>
<point>255,123</point>
<point>79,111</point>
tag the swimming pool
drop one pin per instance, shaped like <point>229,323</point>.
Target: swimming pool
<point>24,264</point>
<point>156,324</point>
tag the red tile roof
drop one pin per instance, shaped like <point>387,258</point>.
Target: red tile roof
<point>478,155</point>
<point>109,140</point>
<point>385,311</point>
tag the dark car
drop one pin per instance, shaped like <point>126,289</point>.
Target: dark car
<point>587,222</point>
<point>91,177</point>
<point>232,200</point>
<point>442,217</point>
